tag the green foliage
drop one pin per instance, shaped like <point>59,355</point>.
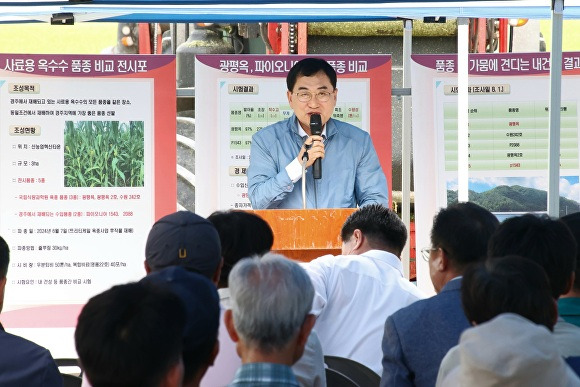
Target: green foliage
<point>103,154</point>
<point>515,198</point>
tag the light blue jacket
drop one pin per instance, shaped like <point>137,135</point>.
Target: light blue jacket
<point>351,173</point>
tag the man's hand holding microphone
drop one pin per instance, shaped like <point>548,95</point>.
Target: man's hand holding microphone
<point>314,146</point>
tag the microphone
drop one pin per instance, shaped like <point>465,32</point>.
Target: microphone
<point>316,129</point>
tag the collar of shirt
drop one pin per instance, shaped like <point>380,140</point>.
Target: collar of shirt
<point>569,306</point>
<point>224,294</point>
<point>265,373</point>
<point>385,256</point>
<point>456,278</point>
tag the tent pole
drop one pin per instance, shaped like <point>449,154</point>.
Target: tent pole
<point>462,106</point>
<point>406,143</point>
<point>555,104</point>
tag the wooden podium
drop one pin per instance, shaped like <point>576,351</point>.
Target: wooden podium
<point>303,235</point>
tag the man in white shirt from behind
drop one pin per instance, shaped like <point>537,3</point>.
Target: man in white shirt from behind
<point>355,292</point>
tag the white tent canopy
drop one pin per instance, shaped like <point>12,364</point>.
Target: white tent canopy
<point>275,11</point>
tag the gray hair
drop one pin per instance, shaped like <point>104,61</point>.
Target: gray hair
<point>271,297</point>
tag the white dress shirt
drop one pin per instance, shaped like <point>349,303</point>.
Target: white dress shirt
<point>354,295</point>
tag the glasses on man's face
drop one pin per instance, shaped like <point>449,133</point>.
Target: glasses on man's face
<point>426,252</point>
<point>321,96</point>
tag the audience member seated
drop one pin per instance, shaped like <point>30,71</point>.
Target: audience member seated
<point>355,292</point>
<point>131,335</point>
<point>549,243</point>
<point>510,302</point>
<point>201,302</point>
<point>242,235</point>
<point>185,239</point>
<point>417,337</point>
<point>269,320</point>
<point>569,303</point>
<point>22,362</point>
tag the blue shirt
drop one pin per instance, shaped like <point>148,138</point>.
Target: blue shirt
<point>264,374</point>
<point>24,363</point>
<point>569,309</point>
<point>351,172</point>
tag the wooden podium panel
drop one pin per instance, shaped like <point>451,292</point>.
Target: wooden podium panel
<point>306,234</point>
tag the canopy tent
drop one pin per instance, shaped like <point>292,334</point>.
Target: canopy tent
<point>231,11</point>
<point>275,11</point>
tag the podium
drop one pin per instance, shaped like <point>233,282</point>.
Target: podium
<point>303,235</point>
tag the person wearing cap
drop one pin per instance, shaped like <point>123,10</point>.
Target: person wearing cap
<point>132,335</point>
<point>184,239</point>
<point>270,319</point>
<point>201,302</point>
<point>351,173</point>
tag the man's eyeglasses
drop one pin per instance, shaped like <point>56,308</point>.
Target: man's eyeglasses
<point>426,252</point>
<point>321,96</point>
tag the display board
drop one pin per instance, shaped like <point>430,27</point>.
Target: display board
<point>236,96</point>
<point>508,126</point>
<point>87,156</point>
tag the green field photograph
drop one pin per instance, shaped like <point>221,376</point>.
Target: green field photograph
<point>104,154</point>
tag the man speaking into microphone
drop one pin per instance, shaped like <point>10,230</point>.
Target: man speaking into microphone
<point>342,167</point>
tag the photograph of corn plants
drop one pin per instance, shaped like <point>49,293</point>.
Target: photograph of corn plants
<point>104,154</point>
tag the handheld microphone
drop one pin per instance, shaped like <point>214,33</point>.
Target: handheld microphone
<point>316,129</point>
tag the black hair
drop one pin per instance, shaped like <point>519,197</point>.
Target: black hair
<point>130,335</point>
<point>4,258</point>
<point>510,284</point>
<point>309,67</point>
<point>462,231</point>
<point>573,223</point>
<point>242,234</point>
<point>380,225</point>
<point>546,241</point>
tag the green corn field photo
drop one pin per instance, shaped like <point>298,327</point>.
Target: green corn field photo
<point>104,154</point>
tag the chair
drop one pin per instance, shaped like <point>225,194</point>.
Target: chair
<point>336,379</point>
<point>69,380</point>
<point>357,372</point>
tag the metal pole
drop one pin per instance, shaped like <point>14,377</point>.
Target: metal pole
<point>462,106</point>
<point>555,104</point>
<point>406,143</point>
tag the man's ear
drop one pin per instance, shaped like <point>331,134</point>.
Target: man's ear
<point>441,260</point>
<point>3,282</point>
<point>147,267</point>
<point>216,275</point>
<point>174,377</point>
<point>305,329</point>
<point>214,352</point>
<point>289,95</point>
<point>570,283</point>
<point>229,321</point>
<point>359,239</point>
<point>302,336</point>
